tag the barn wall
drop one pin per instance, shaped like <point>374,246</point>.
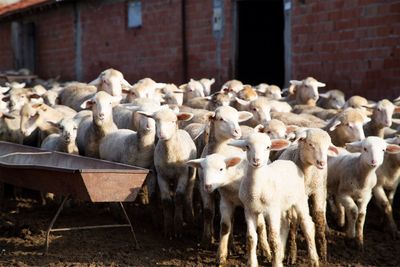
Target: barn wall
<point>351,45</point>
<point>6,56</point>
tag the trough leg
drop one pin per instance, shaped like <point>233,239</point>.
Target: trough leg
<point>46,249</point>
<point>130,225</point>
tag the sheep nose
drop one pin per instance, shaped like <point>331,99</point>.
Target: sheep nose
<point>373,162</point>
<point>321,162</point>
<point>101,116</point>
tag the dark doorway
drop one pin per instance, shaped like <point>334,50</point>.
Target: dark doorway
<point>24,45</point>
<point>260,42</point>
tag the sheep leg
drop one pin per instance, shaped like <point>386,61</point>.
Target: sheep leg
<point>318,213</point>
<point>292,257</point>
<point>340,213</point>
<point>251,221</point>
<point>351,210</point>
<point>226,210</point>
<point>262,233</point>
<point>180,192</point>
<point>208,217</point>
<point>362,211</point>
<point>188,210</point>
<point>274,219</point>
<point>307,226</point>
<point>167,206</point>
<point>384,204</point>
<point>284,232</point>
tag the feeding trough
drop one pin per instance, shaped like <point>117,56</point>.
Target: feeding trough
<point>71,176</point>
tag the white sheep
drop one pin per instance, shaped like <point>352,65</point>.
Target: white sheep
<point>351,178</point>
<point>65,141</point>
<point>306,91</point>
<point>223,128</point>
<point>75,93</point>
<point>207,85</point>
<point>111,81</point>
<point>92,129</point>
<point>310,154</point>
<point>174,148</point>
<point>388,175</point>
<point>332,99</point>
<point>192,89</point>
<point>225,175</point>
<point>270,91</point>
<point>381,118</point>
<point>273,190</point>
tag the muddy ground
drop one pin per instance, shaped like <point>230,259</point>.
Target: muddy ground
<point>23,224</point>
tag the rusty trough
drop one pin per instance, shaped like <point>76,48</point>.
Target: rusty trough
<point>71,176</point>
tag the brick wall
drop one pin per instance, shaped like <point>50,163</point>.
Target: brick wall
<point>351,45</point>
<point>6,56</point>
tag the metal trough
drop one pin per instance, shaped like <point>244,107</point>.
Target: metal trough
<point>82,178</point>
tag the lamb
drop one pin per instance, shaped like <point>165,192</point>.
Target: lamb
<point>211,102</point>
<point>347,126</point>
<point>351,178</point>
<point>172,95</point>
<point>192,89</point>
<point>270,91</point>
<point>92,129</point>
<point>223,127</point>
<point>144,88</point>
<point>111,81</point>
<point>388,178</point>
<point>174,148</point>
<point>273,190</point>
<point>64,141</point>
<point>21,96</point>
<point>310,155</point>
<point>74,94</point>
<point>381,117</point>
<point>306,91</point>
<point>259,108</point>
<point>332,99</point>
<point>233,86</point>
<point>225,175</point>
<point>207,85</point>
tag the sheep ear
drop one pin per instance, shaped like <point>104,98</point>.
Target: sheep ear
<point>334,125</point>
<point>238,143</point>
<point>34,96</point>
<point>37,105</point>
<point>178,91</point>
<point>147,114</point>
<point>96,82</point>
<point>184,116</point>
<point>319,84</point>
<point>242,102</point>
<point>54,124</point>
<point>244,116</point>
<point>301,136</point>
<point>6,98</point>
<point>183,86</point>
<point>230,162</point>
<point>397,121</point>
<point>354,146</point>
<point>199,131</point>
<point>212,81</point>
<point>131,107</point>
<point>259,128</point>
<point>88,104</point>
<point>279,144</point>
<point>4,90</point>
<point>210,115</point>
<point>324,95</point>
<point>195,163</point>
<point>391,140</point>
<point>333,151</point>
<point>125,83</point>
<point>396,109</point>
<point>126,91</point>
<point>295,82</point>
<point>366,120</point>
<point>392,149</point>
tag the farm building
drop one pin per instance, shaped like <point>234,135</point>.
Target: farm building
<point>352,45</point>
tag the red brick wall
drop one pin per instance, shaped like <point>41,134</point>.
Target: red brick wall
<point>351,45</point>
<point>6,56</point>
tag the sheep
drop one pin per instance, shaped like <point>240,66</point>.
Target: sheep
<point>15,85</point>
<point>10,127</point>
<point>191,90</point>
<point>356,101</point>
<point>64,141</point>
<point>310,155</point>
<point>381,117</point>
<point>259,108</point>
<point>172,95</point>
<point>92,129</point>
<point>223,127</point>
<point>324,114</point>
<point>174,148</point>
<point>111,81</point>
<point>75,93</point>
<point>225,175</point>
<point>270,91</point>
<point>144,88</point>
<point>273,190</point>
<point>351,178</point>
<point>300,120</point>
<point>210,102</point>
<point>20,96</point>
<point>207,85</point>
<point>347,126</point>
<point>388,178</point>
<point>306,91</point>
<point>332,99</point>
<point>233,85</point>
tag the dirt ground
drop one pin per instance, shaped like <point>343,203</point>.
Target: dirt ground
<point>23,224</point>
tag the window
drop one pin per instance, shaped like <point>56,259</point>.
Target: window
<point>134,14</point>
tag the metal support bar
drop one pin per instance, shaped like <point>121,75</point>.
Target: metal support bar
<point>50,228</point>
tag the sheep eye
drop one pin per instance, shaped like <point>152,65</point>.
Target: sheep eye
<point>268,147</point>
<point>221,119</point>
<point>75,128</point>
<point>268,132</point>
<point>365,149</point>
<point>247,147</point>
<point>221,169</point>
<point>384,150</point>
<point>254,109</point>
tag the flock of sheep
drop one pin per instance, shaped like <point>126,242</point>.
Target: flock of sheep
<point>266,153</point>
